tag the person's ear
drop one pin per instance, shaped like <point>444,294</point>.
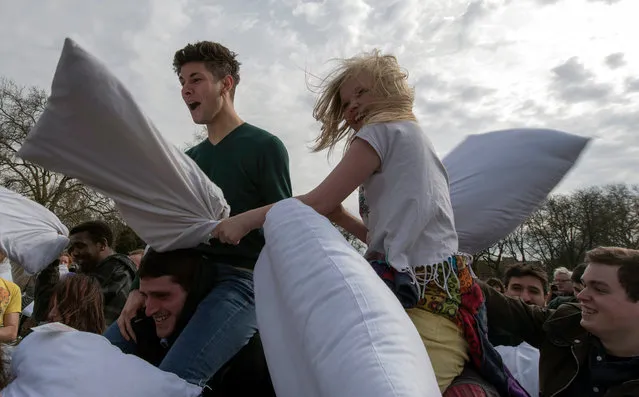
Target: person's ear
<point>228,82</point>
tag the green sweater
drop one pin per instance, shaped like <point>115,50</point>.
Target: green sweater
<point>251,167</point>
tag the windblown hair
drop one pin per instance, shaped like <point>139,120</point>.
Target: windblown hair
<point>77,301</point>
<point>390,85</point>
<point>218,59</point>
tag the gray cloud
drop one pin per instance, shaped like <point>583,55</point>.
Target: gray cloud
<point>470,64</point>
<point>615,60</point>
<point>572,82</point>
<point>547,2</point>
<point>632,84</point>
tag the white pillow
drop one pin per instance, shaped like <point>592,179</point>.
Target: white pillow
<point>30,235</point>
<point>499,178</point>
<point>93,130</point>
<point>329,325</point>
<point>81,364</point>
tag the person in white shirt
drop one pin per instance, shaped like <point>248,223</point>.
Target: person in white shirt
<point>404,202</point>
<point>530,284</point>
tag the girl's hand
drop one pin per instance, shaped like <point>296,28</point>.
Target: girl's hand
<point>231,230</point>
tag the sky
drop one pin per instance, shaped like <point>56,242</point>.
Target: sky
<point>477,66</point>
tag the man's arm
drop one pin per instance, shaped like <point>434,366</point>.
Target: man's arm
<point>44,285</point>
<point>9,330</point>
<point>275,177</point>
<point>514,316</point>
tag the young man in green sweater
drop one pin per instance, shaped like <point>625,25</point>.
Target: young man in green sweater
<point>251,167</point>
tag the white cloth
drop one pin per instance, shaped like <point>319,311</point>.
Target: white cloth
<point>407,207</point>
<point>30,235</point>
<point>499,178</point>
<point>329,325</point>
<point>523,363</point>
<point>5,269</point>
<point>80,364</point>
<point>28,311</point>
<point>93,130</point>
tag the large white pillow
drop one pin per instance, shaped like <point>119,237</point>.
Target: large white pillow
<point>30,235</point>
<point>93,130</point>
<point>81,364</point>
<point>499,178</point>
<point>329,325</point>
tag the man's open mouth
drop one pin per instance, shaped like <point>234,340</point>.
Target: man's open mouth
<point>193,105</point>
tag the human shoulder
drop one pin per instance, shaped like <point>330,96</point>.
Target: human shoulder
<point>116,262</point>
<point>194,150</point>
<point>257,133</point>
<point>263,141</point>
<point>11,286</point>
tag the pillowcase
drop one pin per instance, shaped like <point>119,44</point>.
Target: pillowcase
<point>79,364</point>
<point>328,323</point>
<point>92,130</point>
<point>30,235</point>
<point>498,179</point>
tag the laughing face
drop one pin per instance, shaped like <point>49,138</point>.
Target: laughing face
<point>606,310</point>
<point>164,301</point>
<point>357,98</point>
<point>202,92</point>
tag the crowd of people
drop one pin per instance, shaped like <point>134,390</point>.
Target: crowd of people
<point>191,312</point>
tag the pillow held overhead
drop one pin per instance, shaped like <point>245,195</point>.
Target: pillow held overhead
<point>93,130</point>
<point>30,235</point>
<point>499,178</point>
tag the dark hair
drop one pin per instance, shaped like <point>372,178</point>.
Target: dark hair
<point>219,60</point>
<point>77,301</point>
<point>525,269</point>
<point>577,273</point>
<point>182,265</point>
<point>496,284</point>
<point>628,262</point>
<point>98,231</point>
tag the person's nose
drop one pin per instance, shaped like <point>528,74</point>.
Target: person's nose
<point>151,308</point>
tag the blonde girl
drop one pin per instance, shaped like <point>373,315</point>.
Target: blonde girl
<point>404,203</point>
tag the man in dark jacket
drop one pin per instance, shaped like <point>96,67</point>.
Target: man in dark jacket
<point>589,348</point>
<point>90,245</point>
<point>173,284</point>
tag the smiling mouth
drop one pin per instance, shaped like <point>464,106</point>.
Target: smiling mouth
<point>160,318</point>
<point>193,105</point>
<point>587,312</point>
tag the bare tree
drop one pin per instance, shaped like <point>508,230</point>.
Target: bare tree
<point>69,199</point>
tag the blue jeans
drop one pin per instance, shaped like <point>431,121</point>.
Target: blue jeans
<point>222,324</point>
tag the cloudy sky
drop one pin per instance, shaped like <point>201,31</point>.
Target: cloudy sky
<point>477,66</point>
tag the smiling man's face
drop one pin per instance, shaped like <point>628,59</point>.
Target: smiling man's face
<point>606,309</point>
<point>164,300</point>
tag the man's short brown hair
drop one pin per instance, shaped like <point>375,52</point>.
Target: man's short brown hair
<point>219,60</point>
<point>525,269</point>
<point>628,262</point>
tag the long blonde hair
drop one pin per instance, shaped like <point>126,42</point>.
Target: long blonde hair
<point>390,85</point>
